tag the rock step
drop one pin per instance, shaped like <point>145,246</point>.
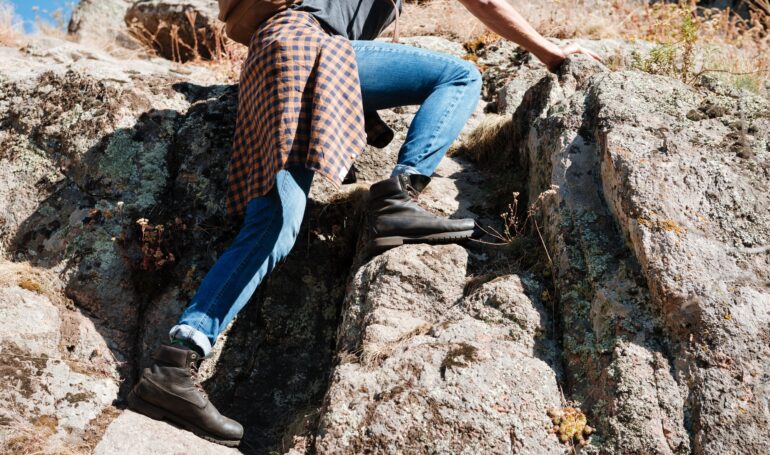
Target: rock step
<point>139,435</point>
<point>423,366</point>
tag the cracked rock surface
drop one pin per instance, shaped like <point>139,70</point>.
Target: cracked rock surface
<point>638,289</point>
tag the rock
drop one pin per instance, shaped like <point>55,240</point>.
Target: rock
<point>645,209</point>
<point>123,436</point>
<point>101,23</point>
<point>81,129</point>
<point>179,30</point>
<point>602,294</point>
<point>421,366</point>
<point>57,374</point>
<point>432,43</point>
<point>692,214</point>
<point>509,71</point>
<point>639,297</point>
<point>100,143</point>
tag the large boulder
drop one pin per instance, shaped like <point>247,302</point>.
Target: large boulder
<point>87,143</point>
<point>101,23</point>
<point>424,369</point>
<point>58,377</point>
<point>650,195</point>
<point>122,437</point>
<point>639,296</point>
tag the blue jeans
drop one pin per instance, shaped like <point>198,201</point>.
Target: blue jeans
<point>447,90</point>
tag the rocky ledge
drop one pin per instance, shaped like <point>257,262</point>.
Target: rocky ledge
<point>627,312</point>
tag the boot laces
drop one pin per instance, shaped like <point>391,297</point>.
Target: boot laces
<point>194,374</point>
<point>413,193</point>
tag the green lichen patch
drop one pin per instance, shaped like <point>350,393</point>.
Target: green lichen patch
<point>570,425</point>
<point>136,169</point>
<point>31,285</point>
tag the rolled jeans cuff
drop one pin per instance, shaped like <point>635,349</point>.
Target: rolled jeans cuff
<point>185,332</point>
<point>403,169</point>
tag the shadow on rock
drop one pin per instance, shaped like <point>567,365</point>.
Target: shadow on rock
<point>138,220</point>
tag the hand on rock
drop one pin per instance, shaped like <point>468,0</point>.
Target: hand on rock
<point>573,49</point>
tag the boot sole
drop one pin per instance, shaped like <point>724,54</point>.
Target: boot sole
<point>382,244</point>
<point>139,405</point>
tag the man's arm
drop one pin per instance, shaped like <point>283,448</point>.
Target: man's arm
<point>501,17</point>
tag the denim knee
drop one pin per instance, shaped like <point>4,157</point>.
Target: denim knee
<point>465,72</point>
<point>472,77</point>
<point>468,75</point>
<point>293,189</point>
<point>293,213</point>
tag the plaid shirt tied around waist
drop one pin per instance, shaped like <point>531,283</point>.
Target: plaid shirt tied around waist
<point>299,103</point>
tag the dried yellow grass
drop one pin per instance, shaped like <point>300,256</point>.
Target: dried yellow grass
<point>729,46</point>
<point>490,139</point>
<point>10,27</point>
<point>222,55</point>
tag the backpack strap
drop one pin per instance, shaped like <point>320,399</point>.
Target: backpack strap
<point>395,30</point>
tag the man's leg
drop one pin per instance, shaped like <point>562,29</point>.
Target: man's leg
<point>447,89</point>
<point>269,231</point>
<point>168,389</point>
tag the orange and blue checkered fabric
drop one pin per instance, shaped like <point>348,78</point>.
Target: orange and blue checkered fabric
<point>299,104</point>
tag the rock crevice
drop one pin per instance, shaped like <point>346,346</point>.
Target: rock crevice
<point>636,291</point>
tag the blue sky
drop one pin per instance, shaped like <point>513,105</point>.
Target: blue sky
<point>28,10</point>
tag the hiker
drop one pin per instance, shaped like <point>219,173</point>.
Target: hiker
<point>310,88</point>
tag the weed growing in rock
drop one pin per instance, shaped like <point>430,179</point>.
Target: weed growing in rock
<point>693,41</point>
<point>515,225</point>
<point>191,42</point>
<point>158,243</point>
<point>181,42</point>
<point>675,57</point>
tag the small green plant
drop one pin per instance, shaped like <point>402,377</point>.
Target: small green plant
<point>661,60</point>
<point>570,425</point>
<point>674,58</point>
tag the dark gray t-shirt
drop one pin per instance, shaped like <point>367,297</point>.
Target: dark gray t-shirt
<point>354,19</point>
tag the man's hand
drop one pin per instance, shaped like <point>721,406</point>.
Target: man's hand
<point>504,20</point>
<point>568,50</point>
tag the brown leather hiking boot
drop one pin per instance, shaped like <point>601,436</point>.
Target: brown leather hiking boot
<point>168,390</point>
<point>396,218</point>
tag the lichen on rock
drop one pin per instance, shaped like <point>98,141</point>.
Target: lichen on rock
<point>632,302</point>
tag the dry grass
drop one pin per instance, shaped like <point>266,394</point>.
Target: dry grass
<point>10,26</point>
<point>40,437</point>
<point>55,25</point>
<point>725,44</point>
<point>373,354</point>
<point>190,43</point>
<point>438,17</point>
<point>491,140</point>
